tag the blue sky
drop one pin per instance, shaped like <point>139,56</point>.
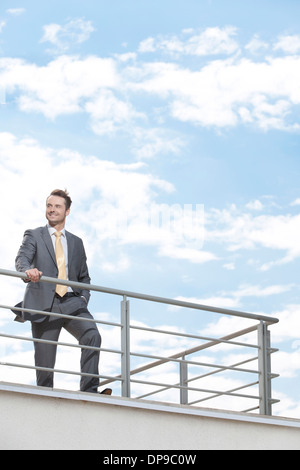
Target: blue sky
<point>137,106</point>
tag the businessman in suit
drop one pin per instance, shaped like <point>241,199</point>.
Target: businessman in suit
<point>54,252</point>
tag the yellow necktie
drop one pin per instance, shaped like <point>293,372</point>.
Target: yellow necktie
<point>61,264</point>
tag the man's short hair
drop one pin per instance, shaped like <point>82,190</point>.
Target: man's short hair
<point>64,194</point>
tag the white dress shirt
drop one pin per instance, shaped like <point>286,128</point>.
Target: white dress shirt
<point>64,243</point>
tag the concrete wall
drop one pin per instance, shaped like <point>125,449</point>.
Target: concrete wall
<point>36,418</point>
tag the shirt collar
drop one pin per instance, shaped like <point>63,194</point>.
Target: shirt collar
<point>52,230</point>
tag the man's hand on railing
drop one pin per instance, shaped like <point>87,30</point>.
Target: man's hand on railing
<point>33,275</point>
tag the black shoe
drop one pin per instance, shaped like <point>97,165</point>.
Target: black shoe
<point>106,391</point>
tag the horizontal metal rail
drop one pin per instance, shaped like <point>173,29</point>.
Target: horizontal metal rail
<point>263,349</point>
<point>61,371</point>
<point>195,363</point>
<point>185,335</point>
<point>59,343</point>
<point>60,315</point>
<point>214,342</point>
<point>151,298</point>
<point>205,390</point>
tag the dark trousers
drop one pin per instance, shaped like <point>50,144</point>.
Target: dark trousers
<point>85,332</point>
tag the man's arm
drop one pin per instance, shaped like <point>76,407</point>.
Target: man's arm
<point>26,256</point>
<point>84,275</point>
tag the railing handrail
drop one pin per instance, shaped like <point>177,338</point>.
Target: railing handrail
<point>151,298</point>
<point>263,347</point>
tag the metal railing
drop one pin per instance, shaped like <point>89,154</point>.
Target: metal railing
<point>192,371</point>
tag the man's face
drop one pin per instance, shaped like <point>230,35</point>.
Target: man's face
<point>56,211</point>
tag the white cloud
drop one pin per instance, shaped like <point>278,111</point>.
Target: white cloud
<point>255,205</point>
<point>220,93</point>
<point>2,25</point>
<point>211,41</point>
<point>238,230</point>
<point>60,87</point>
<point>148,143</point>
<point>233,300</point>
<point>229,266</point>
<point>256,45</point>
<point>192,255</point>
<point>108,113</point>
<point>15,11</point>
<point>147,45</point>
<point>296,202</point>
<point>221,301</point>
<point>288,43</point>
<point>227,92</point>
<point>75,31</point>
<point>69,85</point>
<point>258,291</point>
<point>127,56</point>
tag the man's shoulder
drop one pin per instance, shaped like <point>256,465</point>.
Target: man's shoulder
<point>72,235</point>
<point>35,231</point>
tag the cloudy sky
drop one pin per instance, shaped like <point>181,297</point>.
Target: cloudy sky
<point>175,127</point>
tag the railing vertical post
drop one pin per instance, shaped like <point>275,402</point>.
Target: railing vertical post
<point>264,367</point>
<point>125,347</point>
<point>183,371</point>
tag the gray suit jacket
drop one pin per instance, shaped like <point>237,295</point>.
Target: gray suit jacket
<point>37,251</point>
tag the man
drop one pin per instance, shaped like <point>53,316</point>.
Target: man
<point>54,252</point>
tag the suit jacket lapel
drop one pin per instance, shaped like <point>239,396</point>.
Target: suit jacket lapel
<point>71,246</point>
<point>48,243</point>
